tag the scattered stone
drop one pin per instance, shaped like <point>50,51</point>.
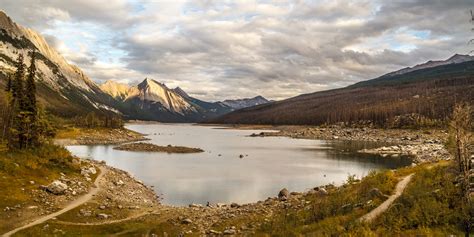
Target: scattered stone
<point>321,191</point>
<point>229,232</point>
<point>102,216</point>
<point>375,192</point>
<point>88,171</point>
<point>187,221</point>
<point>283,194</point>
<point>57,188</point>
<point>215,232</point>
<point>234,205</point>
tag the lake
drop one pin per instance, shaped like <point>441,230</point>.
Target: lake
<point>219,175</point>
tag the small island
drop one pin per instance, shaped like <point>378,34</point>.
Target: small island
<point>148,147</point>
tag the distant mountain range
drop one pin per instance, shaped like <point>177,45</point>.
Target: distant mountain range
<point>68,92</point>
<point>152,100</point>
<point>423,92</point>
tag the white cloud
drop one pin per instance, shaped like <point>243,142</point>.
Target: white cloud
<point>225,49</point>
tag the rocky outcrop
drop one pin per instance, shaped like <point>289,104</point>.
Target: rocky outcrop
<point>57,187</point>
<point>148,147</point>
<point>421,152</point>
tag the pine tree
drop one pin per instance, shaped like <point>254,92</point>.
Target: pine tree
<point>8,88</point>
<point>17,84</point>
<point>30,104</point>
<point>17,103</point>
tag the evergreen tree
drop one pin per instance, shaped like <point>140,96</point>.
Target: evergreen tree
<point>17,134</point>
<point>30,104</point>
<point>8,88</point>
<point>17,84</point>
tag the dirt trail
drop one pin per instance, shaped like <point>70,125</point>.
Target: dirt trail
<point>136,216</point>
<point>81,200</point>
<point>385,205</point>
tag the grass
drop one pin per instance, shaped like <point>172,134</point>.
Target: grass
<point>40,165</point>
<point>18,168</point>
<point>430,206</point>
<point>139,227</point>
<point>334,213</point>
<point>75,132</point>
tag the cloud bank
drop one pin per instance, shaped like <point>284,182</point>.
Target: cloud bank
<point>218,50</point>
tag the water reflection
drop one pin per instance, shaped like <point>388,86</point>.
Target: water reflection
<point>219,175</point>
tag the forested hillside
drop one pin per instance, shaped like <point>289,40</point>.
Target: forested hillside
<point>422,97</point>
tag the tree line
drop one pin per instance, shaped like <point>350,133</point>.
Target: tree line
<point>24,122</point>
<point>93,120</point>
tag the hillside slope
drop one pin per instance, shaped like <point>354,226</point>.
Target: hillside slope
<point>62,87</point>
<point>428,92</point>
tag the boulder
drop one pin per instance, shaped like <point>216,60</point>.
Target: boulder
<point>187,221</point>
<point>86,171</point>
<point>229,232</point>
<point>320,191</point>
<point>57,188</point>
<point>375,192</point>
<point>102,216</point>
<point>283,194</point>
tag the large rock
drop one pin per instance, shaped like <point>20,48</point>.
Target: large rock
<point>57,187</point>
<point>375,192</point>
<point>88,171</point>
<point>283,194</point>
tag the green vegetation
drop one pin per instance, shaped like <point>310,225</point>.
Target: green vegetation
<point>40,164</point>
<point>430,205</point>
<point>455,71</point>
<point>92,120</point>
<point>23,171</point>
<point>24,123</point>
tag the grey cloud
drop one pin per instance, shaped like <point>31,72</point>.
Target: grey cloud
<point>219,50</point>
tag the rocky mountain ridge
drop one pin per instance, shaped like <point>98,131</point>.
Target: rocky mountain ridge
<point>158,102</point>
<point>455,59</point>
<point>62,87</point>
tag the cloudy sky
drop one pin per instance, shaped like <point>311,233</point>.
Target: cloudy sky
<point>227,49</point>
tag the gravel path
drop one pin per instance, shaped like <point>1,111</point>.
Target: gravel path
<point>385,205</point>
<point>81,200</point>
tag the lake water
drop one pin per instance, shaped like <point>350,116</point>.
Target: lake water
<point>218,175</point>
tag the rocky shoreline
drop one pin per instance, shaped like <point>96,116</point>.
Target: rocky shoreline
<point>123,196</point>
<point>149,147</point>
<point>422,145</point>
<point>102,137</point>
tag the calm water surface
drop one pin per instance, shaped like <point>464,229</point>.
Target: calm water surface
<point>269,163</point>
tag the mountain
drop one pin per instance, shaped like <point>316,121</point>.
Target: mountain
<point>457,58</point>
<point>426,92</point>
<point>152,100</point>
<point>67,91</point>
<point>62,87</point>
<point>116,90</point>
<point>244,103</point>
